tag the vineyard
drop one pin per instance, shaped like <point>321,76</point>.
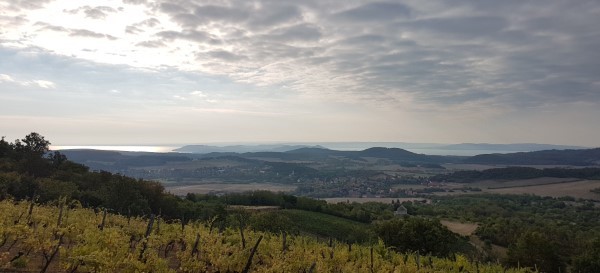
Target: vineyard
<point>65,237</point>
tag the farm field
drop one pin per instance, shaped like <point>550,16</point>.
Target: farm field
<point>546,186</point>
<point>495,184</point>
<point>577,189</point>
<point>229,187</point>
<point>385,200</point>
<point>481,167</point>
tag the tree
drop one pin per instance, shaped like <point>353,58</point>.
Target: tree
<point>57,159</point>
<point>33,143</point>
<point>5,147</point>
<point>536,249</point>
<point>589,260</point>
<point>418,234</point>
<point>30,153</point>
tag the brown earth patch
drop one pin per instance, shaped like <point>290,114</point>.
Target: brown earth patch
<point>464,229</point>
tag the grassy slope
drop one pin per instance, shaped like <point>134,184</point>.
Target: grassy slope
<point>325,225</point>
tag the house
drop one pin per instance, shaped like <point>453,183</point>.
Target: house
<point>401,211</point>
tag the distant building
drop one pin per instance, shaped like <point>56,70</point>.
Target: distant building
<point>401,211</point>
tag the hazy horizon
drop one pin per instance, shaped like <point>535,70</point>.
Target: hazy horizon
<point>420,148</point>
<point>156,71</point>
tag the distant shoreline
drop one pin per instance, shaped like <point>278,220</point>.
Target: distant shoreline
<point>419,148</point>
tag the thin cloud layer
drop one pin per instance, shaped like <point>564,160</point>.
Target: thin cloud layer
<point>489,56</point>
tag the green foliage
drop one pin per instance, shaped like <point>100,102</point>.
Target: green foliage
<point>589,260</point>
<point>52,189</point>
<point>506,220</point>
<point>328,226</point>
<point>122,247</point>
<point>426,236</point>
<point>27,169</point>
<point>272,222</point>
<point>537,249</point>
<point>33,144</point>
<point>365,213</point>
<point>5,147</point>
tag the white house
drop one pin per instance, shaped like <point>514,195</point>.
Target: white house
<point>401,211</point>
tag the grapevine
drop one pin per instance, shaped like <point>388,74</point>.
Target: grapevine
<point>81,243</point>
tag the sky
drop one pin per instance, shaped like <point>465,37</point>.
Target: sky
<point>143,72</point>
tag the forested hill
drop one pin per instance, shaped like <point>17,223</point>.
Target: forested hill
<point>517,173</point>
<point>28,170</point>
<point>393,154</point>
<point>587,157</point>
<point>113,160</point>
<point>515,147</point>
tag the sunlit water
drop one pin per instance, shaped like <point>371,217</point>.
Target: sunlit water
<point>153,149</point>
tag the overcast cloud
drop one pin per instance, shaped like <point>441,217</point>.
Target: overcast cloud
<point>421,71</point>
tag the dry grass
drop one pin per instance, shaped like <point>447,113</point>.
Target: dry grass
<point>464,229</point>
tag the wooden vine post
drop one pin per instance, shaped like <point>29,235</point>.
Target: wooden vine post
<point>101,226</point>
<point>148,232</point>
<point>249,262</point>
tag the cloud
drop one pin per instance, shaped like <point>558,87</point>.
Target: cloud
<point>151,44</point>
<point>74,32</point>
<point>90,34</point>
<point>198,94</point>
<point>133,30</point>
<point>222,13</point>
<point>378,11</point>
<point>412,54</point>
<point>275,15</point>
<point>98,12</point>
<point>461,27</point>
<point>142,26</point>
<point>44,84</point>
<point>302,32</point>
<point>224,56</point>
<point>151,22</point>
<point>4,78</point>
<point>19,5</point>
<point>12,21</point>
<point>135,2</point>
<point>190,35</point>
